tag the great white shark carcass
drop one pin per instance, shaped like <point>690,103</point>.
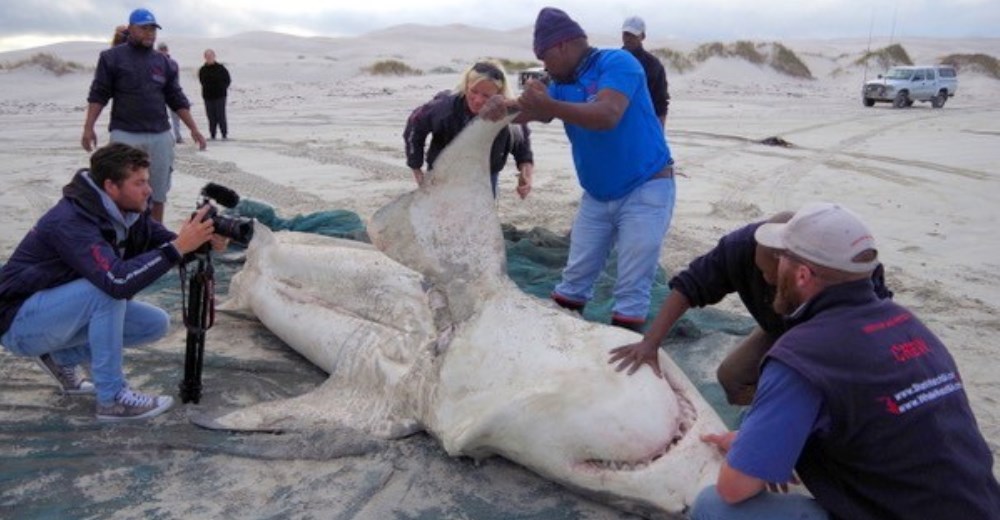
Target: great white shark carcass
<point>423,330</point>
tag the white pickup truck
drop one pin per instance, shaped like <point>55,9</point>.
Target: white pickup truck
<point>901,86</point>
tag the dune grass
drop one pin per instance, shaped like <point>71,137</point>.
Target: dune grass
<point>443,69</point>
<point>748,51</point>
<point>775,55</point>
<point>974,62</point>
<point>392,68</point>
<point>709,50</point>
<point>510,65</point>
<point>785,61</point>
<point>45,61</point>
<point>886,57</point>
<point>673,60</point>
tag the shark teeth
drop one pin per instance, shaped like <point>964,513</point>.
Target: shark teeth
<point>598,465</point>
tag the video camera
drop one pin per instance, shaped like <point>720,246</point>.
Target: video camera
<point>198,305</point>
<point>237,229</point>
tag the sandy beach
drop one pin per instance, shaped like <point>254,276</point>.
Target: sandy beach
<point>311,131</point>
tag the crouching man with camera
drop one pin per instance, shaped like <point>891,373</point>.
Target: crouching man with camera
<point>66,292</point>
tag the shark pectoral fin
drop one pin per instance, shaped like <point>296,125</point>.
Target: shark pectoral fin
<point>237,308</point>
<point>320,445</point>
<point>328,406</point>
<point>210,421</point>
<point>281,416</point>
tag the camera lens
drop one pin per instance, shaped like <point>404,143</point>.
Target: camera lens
<point>238,229</point>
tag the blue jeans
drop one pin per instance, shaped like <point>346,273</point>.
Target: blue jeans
<point>765,506</point>
<point>635,226</point>
<point>77,322</point>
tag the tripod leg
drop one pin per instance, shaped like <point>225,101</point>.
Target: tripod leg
<point>195,319</point>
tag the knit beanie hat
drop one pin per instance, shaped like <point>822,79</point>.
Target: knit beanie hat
<point>553,27</point>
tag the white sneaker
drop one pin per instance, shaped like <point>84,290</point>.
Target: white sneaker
<point>69,378</point>
<point>131,405</point>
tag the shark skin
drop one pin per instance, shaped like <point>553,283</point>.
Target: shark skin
<point>425,331</point>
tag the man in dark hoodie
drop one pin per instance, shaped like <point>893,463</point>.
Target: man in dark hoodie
<point>143,84</point>
<point>66,292</point>
<point>737,264</point>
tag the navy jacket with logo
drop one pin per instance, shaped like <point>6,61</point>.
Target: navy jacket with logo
<point>896,438</point>
<point>142,82</point>
<point>76,239</point>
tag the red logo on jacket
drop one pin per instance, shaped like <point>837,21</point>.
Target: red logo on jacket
<point>103,263</point>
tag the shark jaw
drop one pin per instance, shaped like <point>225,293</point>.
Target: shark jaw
<point>542,393</point>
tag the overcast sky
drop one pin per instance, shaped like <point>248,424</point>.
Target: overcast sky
<point>30,23</point>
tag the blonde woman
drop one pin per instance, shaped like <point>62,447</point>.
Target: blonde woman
<point>447,114</point>
<point>120,36</point>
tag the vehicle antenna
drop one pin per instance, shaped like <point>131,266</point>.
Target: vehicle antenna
<point>868,51</point>
<point>895,11</point>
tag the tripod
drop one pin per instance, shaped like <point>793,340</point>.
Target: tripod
<point>199,316</point>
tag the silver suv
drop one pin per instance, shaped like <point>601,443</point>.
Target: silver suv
<point>538,73</point>
<point>901,86</point>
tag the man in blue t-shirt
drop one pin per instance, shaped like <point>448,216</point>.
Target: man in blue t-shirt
<point>622,162</point>
<point>858,398</point>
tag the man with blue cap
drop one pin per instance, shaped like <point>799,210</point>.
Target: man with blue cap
<point>622,161</point>
<point>143,84</point>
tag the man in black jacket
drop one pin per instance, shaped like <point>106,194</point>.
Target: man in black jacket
<point>214,78</point>
<point>738,264</point>
<point>633,33</point>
